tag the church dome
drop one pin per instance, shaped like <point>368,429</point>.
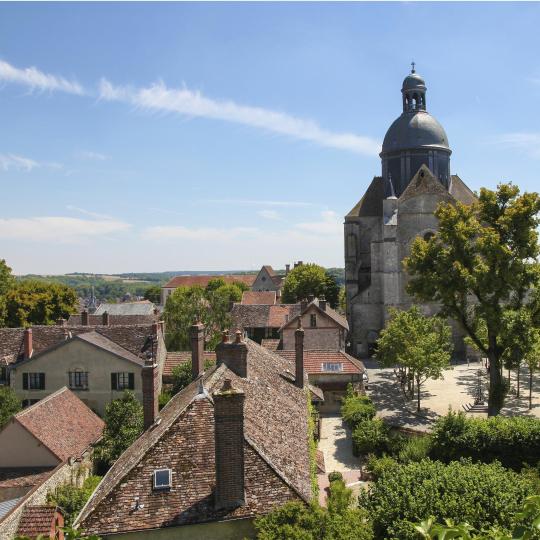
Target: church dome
<point>413,81</point>
<point>417,130</point>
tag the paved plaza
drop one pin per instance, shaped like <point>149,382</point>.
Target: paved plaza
<point>458,388</point>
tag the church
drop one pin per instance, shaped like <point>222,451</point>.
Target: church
<point>397,207</point>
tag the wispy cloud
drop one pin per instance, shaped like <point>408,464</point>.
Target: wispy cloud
<point>58,229</point>
<point>34,79</point>
<point>184,101</point>
<point>177,232</point>
<point>527,142</point>
<point>88,212</point>
<point>257,202</point>
<point>18,163</point>
<point>269,214</point>
<point>329,224</point>
<point>92,156</point>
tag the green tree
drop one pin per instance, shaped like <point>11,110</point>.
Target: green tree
<point>153,294</point>
<point>420,346</point>
<point>7,281</point>
<point>309,279</point>
<point>481,263</point>
<point>182,375</point>
<point>123,424</point>
<point>10,404</point>
<point>483,495</point>
<point>34,302</point>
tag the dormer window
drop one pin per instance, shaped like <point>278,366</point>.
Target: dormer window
<point>162,479</point>
<point>332,366</point>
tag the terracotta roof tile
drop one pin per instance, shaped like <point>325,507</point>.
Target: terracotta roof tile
<point>267,298</point>
<point>174,359</point>
<point>270,344</point>
<point>114,320</point>
<point>314,360</point>
<point>23,476</point>
<point>260,316</point>
<point>36,520</point>
<point>62,423</point>
<point>202,280</point>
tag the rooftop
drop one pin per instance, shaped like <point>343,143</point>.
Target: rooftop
<point>267,298</point>
<point>142,307</point>
<point>315,360</point>
<point>37,520</point>
<point>202,280</point>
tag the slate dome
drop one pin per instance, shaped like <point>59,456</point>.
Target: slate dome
<point>413,80</point>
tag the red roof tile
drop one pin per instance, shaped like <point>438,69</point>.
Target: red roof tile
<point>270,344</point>
<point>202,280</point>
<point>174,359</point>
<point>36,520</point>
<point>314,360</point>
<point>259,298</point>
<point>62,423</point>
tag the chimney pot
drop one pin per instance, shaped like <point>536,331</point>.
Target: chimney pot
<point>310,298</point>
<point>303,305</point>
<point>238,336</point>
<point>84,318</point>
<point>322,303</point>
<point>299,355</point>
<point>197,349</point>
<point>234,356</point>
<point>61,322</point>
<point>27,343</point>
<point>225,336</point>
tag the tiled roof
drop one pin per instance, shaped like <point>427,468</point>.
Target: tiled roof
<point>270,344</point>
<point>174,359</point>
<point>103,342</point>
<point>424,183</point>
<point>62,423</point>
<point>130,337</point>
<point>460,191</point>
<point>269,270</point>
<point>114,320</point>
<point>19,477</point>
<point>315,358</point>
<point>275,431</point>
<point>267,298</point>
<point>259,316</point>
<point>36,520</point>
<point>143,307</point>
<point>371,203</point>
<point>328,311</point>
<point>202,280</point>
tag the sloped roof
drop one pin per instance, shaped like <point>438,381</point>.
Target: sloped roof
<point>267,298</point>
<point>328,311</point>
<point>20,477</point>
<point>175,358</point>
<point>275,427</point>
<point>262,316</point>
<point>142,307</point>
<point>103,342</point>
<point>36,520</point>
<point>315,358</point>
<point>270,270</point>
<point>424,183</point>
<point>202,280</point>
<point>270,344</point>
<point>460,191</point>
<point>371,203</point>
<point>62,423</point>
<point>114,320</point>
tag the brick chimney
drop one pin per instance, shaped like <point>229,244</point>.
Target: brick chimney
<point>196,333</point>
<point>27,343</point>
<point>84,318</point>
<point>61,322</point>
<point>287,269</point>
<point>233,355</point>
<point>303,305</point>
<point>229,444</point>
<point>150,375</point>
<point>322,303</point>
<point>105,318</point>
<point>310,298</point>
<point>299,354</point>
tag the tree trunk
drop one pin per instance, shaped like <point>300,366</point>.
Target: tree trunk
<point>418,390</point>
<point>517,382</point>
<point>530,387</point>
<point>495,383</point>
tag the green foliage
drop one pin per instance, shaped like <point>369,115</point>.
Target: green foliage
<point>370,436</point>
<point>415,449</point>
<point>37,302</point>
<point>342,300</point>
<point>123,424</point>
<point>356,407</point>
<point>10,404</point>
<point>483,495</point>
<point>421,345</point>
<point>164,398</point>
<point>182,375</point>
<point>7,281</point>
<point>153,294</point>
<point>482,268</point>
<point>312,449</point>
<point>335,475</point>
<point>71,499</point>
<point>309,279</point>
<point>378,466</point>
<point>511,440</point>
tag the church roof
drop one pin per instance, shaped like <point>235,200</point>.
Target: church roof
<point>371,203</point>
<point>424,183</point>
<point>459,190</point>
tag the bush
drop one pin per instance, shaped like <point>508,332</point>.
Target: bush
<point>512,441</point>
<point>335,475</point>
<point>370,436</point>
<point>356,408</point>
<point>415,449</point>
<point>378,466</point>
<point>482,495</point>
<point>10,404</point>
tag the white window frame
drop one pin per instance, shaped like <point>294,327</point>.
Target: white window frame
<point>162,486</point>
<point>332,367</point>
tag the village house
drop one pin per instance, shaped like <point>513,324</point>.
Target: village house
<point>231,446</point>
<point>42,447</point>
<point>96,362</point>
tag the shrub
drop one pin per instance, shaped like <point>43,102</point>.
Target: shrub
<point>10,404</point>
<point>370,436</point>
<point>356,408</point>
<point>482,495</point>
<point>378,466</point>
<point>335,475</point>
<point>415,449</point>
<point>512,441</point>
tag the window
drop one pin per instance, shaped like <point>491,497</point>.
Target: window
<point>162,479</point>
<point>122,381</point>
<point>33,381</point>
<point>78,380</point>
<point>332,366</point>
<point>313,321</point>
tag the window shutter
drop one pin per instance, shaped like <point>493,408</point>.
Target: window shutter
<point>114,382</point>
<point>132,381</point>
<point>42,381</point>
<point>25,381</point>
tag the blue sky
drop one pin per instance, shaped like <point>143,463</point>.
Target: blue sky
<point>150,137</point>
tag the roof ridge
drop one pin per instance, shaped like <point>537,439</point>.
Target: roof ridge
<point>41,401</point>
<point>109,339</point>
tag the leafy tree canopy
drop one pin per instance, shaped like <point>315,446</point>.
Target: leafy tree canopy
<point>123,424</point>
<point>182,375</point>
<point>10,404</point>
<point>309,279</point>
<point>481,265</point>
<point>422,345</point>
<point>153,294</point>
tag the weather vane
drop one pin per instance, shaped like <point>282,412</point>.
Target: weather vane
<point>413,63</point>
